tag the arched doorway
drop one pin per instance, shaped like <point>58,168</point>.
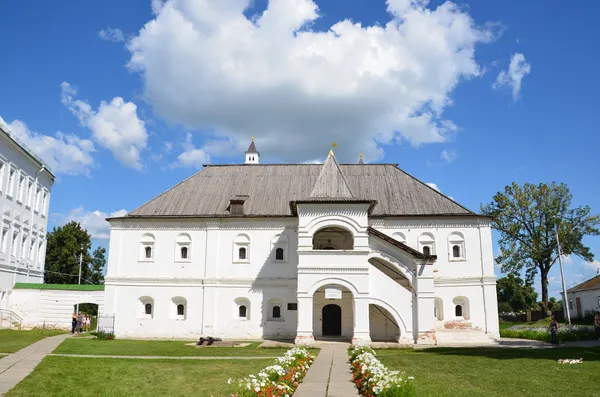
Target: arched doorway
<point>332,320</point>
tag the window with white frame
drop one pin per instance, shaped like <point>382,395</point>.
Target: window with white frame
<point>183,247</point>
<point>147,248</point>
<point>242,308</point>
<point>275,308</point>
<point>32,250</point>
<point>456,247</point>
<point>427,244</point>
<point>179,307</point>
<point>461,307</point>
<point>38,198</point>
<point>44,203</point>
<point>12,181</point>
<point>21,189</point>
<point>2,168</point>
<point>146,307</point>
<point>15,242</point>
<point>4,242</point>
<point>29,198</point>
<point>23,246</point>
<point>241,249</point>
<point>279,247</point>
<point>40,253</point>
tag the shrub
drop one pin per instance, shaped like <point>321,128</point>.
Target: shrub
<point>373,379</point>
<point>565,333</point>
<point>280,379</point>
<point>104,335</point>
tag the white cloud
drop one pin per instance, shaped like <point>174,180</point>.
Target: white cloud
<point>110,34</point>
<point>433,186</point>
<point>64,153</point>
<point>94,221</point>
<point>204,64</point>
<point>448,155</point>
<point>115,125</point>
<point>567,259</point>
<point>191,156</point>
<point>594,265</point>
<point>517,70</point>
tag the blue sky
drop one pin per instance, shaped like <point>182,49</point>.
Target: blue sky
<point>144,92</point>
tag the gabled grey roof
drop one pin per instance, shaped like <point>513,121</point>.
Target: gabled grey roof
<point>331,182</point>
<point>252,147</point>
<point>271,188</point>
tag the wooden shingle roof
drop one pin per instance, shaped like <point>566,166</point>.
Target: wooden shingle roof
<point>271,187</point>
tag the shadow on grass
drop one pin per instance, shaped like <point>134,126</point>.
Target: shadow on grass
<point>587,353</point>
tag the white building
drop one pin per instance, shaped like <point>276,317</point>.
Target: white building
<point>584,298</point>
<point>303,251</point>
<point>25,183</point>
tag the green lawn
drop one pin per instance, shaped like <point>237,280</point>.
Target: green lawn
<point>106,377</point>
<point>125,347</point>
<point>13,340</point>
<point>497,372</point>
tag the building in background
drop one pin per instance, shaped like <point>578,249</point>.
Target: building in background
<point>584,298</point>
<point>25,184</point>
<point>303,251</point>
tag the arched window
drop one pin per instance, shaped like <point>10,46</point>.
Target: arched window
<point>242,311</point>
<point>146,253</point>
<point>427,244</point>
<point>458,311</point>
<point>456,247</point>
<point>241,248</point>
<point>279,254</point>
<point>276,312</point>
<point>148,309</point>
<point>183,247</point>
<point>456,251</point>
<point>180,309</point>
<point>333,238</point>
<point>184,252</point>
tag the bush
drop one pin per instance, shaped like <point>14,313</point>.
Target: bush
<point>565,333</point>
<point>280,379</point>
<point>373,379</point>
<point>104,335</point>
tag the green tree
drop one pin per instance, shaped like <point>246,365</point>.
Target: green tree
<point>64,245</point>
<point>515,292</point>
<point>526,217</point>
<point>98,263</point>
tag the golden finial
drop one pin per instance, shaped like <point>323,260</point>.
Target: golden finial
<point>361,156</point>
<point>252,138</point>
<point>333,144</point>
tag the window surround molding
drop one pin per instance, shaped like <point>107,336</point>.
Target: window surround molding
<point>179,301</point>
<point>465,309</point>
<point>142,312</point>
<point>239,302</point>
<point>280,241</point>
<point>147,241</point>
<point>183,240</point>
<point>456,239</point>
<point>427,240</point>
<point>241,241</point>
<point>271,305</point>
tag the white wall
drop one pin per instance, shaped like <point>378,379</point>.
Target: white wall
<point>19,212</point>
<point>52,308</point>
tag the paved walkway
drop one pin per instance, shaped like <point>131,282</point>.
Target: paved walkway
<point>15,367</point>
<point>330,374</point>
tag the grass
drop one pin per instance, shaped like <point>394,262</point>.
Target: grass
<point>126,347</point>
<point>495,372</point>
<point>13,340</point>
<point>105,377</point>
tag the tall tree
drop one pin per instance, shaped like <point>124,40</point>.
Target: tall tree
<point>64,245</point>
<point>98,263</point>
<point>518,294</point>
<point>526,217</point>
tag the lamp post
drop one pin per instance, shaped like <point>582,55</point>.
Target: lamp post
<point>562,276</point>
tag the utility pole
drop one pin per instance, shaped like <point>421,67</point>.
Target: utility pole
<point>79,280</point>
<point>562,276</point>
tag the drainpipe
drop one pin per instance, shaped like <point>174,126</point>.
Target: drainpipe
<point>31,221</point>
<point>482,278</point>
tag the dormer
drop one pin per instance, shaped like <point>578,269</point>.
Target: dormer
<point>252,155</point>
<point>236,204</point>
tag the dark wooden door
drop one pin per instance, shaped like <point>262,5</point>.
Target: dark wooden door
<point>578,303</point>
<point>332,320</point>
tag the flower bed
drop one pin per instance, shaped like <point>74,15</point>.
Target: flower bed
<point>565,333</point>
<point>373,379</point>
<point>280,379</point>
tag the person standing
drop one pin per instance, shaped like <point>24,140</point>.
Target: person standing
<point>87,323</point>
<point>597,324</point>
<point>73,322</point>
<point>79,322</point>
<point>554,331</point>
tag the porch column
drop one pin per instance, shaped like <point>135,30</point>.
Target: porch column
<point>362,332</point>
<point>425,305</point>
<point>304,332</point>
